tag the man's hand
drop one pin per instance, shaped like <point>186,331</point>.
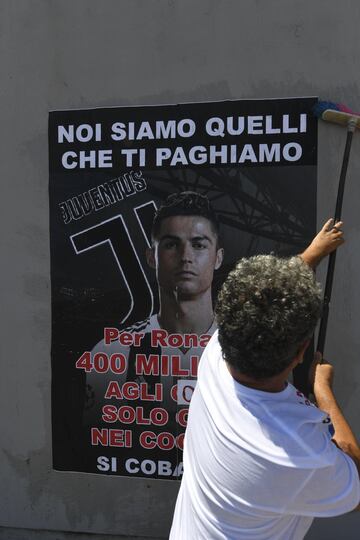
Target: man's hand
<point>321,376</point>
<point>327,240</point>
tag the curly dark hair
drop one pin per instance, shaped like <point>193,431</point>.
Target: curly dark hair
<point>267,308</point>
<point>185,203</point>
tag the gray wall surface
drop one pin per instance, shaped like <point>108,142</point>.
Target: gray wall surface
<point>64,54</point>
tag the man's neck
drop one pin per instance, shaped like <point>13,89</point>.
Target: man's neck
<point>272,384</point>
<point>186,315</point>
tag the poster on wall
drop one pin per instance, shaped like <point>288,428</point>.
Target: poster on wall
<point>150,207</point>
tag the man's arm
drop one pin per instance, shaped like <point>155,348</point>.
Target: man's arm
<point>329,238</point>
<point>343,437</point>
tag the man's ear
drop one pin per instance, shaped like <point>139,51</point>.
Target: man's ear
<point>219,258</point>
<point>300,355</point>
<point>150,257</point>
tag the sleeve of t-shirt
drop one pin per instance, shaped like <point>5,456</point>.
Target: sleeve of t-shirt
<point>328,491</point>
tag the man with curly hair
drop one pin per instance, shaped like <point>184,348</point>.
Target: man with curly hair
<point>259,459</point>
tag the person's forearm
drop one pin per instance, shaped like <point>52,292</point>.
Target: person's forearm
<point>343,436</point>
<point>310,257</point>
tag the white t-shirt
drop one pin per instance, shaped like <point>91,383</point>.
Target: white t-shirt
<point>257,465</point>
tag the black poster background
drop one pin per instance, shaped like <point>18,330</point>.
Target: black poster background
<point>262,207</point>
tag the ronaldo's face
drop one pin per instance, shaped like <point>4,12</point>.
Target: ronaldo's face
<point>185,255</point>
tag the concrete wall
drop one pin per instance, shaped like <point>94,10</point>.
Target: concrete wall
<point>62,54</point>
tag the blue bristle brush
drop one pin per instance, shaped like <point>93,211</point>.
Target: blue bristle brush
<point>338,114</point>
